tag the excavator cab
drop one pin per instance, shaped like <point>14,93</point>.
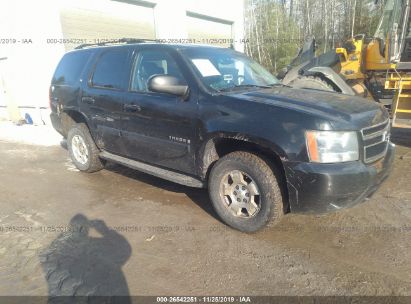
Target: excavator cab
<point>405,42</point>
<point>393,37</point>
<point>391,44</point>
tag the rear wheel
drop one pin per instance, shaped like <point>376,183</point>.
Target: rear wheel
<point>244,192</point>
<point>83,151</point>
<point>311,82</point>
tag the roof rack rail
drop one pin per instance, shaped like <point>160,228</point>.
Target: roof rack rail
<point>115,41</point>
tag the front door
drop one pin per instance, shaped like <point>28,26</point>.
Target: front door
<point>159,128</point>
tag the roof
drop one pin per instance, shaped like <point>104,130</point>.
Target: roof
<point>134,41</point>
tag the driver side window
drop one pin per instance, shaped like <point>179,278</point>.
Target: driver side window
<point>150,63</point>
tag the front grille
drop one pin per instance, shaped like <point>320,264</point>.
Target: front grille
<point>375,141</point>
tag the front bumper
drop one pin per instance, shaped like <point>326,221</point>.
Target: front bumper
<point>328,187</point>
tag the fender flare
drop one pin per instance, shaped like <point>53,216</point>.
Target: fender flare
<point>68,116</point>
<point>207,153</point>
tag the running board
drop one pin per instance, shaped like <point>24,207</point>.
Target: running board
<point>172,176</point>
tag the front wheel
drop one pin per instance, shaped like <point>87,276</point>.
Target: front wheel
<point>244,191</point>
<point>83,151</point>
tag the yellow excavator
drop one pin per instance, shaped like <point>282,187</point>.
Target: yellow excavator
<point>378,67</point>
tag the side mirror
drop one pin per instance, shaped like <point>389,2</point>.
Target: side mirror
<point>167,84</point>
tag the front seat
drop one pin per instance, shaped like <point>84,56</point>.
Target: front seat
<point>148,69</point>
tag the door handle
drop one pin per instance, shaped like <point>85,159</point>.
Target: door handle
<point>88,100</point>
<point>131,108</point>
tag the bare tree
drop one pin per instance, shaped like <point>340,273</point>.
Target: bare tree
<point>275,29</point>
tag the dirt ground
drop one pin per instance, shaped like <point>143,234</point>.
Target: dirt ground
<point>146,236</point>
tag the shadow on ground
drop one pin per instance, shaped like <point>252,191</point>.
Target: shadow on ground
<point>198,196</point>
<point>401,136</point>
<point>78,264</point>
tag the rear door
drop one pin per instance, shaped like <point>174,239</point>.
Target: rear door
<point>104,94</point>
<point>66,82</point>
<point>65,89</point>
<point>159,128</point>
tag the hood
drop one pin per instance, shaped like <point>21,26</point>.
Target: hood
<point>341,109</point>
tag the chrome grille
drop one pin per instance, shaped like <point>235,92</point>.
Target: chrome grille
<point>375,141</point>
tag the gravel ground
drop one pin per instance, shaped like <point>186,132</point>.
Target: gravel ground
<point>122,232</point>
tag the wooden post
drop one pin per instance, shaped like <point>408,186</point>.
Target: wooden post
<point>12,108</point>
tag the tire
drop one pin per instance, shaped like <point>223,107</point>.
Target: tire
<point>79,138</point>
<point>223,195</point>
<point>311,82</point>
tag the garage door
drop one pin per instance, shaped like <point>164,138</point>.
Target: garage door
<point>114,21</point>
<point>208,30</point>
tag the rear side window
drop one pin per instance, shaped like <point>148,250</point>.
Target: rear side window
<point>111,70</point>
<point>69,69</point>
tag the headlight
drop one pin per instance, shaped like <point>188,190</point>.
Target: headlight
<point>332,146</point>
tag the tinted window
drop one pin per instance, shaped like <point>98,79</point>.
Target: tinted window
<point>111,69</point>
<point>70,67</point>
<point>151,63</point>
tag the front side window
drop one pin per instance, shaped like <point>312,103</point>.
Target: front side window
<point>111,70</point>
<point>224,69</point>
<point>150,63</point>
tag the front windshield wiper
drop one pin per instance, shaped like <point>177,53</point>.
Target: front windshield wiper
<point>279,84</point>
<point>245,86</point>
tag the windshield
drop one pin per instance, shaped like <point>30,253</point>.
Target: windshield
<point>390,18</point>
<point>225,70</point>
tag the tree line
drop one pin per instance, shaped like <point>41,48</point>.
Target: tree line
<point>276,29</point>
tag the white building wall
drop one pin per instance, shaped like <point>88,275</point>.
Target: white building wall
<point>170,19</point>
<point>31,60</point>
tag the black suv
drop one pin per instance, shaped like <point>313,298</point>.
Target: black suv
<point>211,117</point>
